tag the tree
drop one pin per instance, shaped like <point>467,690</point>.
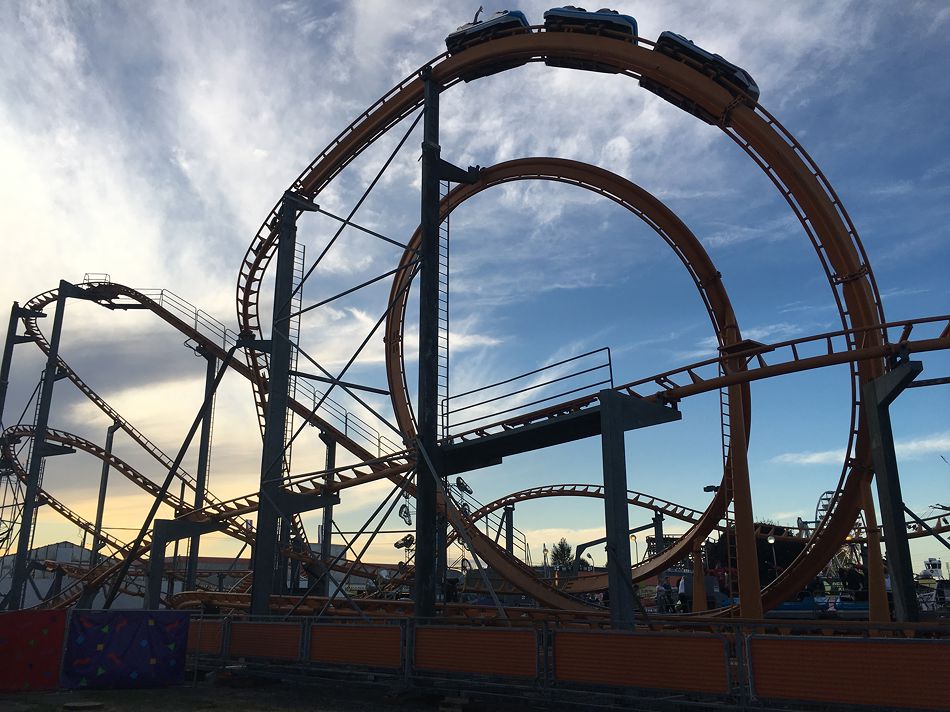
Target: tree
<point>562,554</point>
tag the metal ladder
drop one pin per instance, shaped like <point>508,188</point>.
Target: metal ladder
<point>30,456</point>
<point>443,338</point>
<point>296,523</point>
<point>293,329</point>
<point>731,563</point>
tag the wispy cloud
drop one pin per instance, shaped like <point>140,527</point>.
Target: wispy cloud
<point>151,144</point>
<point>901,187</point>
<point>779,331</point>
<point>902,292</point>
<point>909,449</point>
<point>801,306</point>
<point>781,228</point>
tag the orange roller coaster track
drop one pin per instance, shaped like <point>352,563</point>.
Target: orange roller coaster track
<point>863,341</point>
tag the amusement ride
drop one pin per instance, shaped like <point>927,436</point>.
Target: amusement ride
<point>437,436</point>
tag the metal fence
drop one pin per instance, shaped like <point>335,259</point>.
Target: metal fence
<point>721,663</point>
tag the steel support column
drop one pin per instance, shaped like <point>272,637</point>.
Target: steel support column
<point>510,528</point>
<point>699,580</point>
<point>581,548</point>
<point>165,531</point>
<point>265,555</point>
<point>617,415</point>
<point>616,516</point>
<point>427,583</point>
<point>878,609</point>
<point>156,568</point>
<point>747,558</point>
<point>431,524</point>
<point>201,476</point>
<point>658,542</point>
<point>101,503</point>
<point>40,450</point>
<point>877,395</point>
<point>326,531</point>
<point>283,541</point>
<point>11,341</point>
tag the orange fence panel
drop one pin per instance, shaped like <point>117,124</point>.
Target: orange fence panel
<point>479,651</point>
<point>884,672</point>
<point>205,636</point>
<point>665,661</point>
<point>369,646</point>
<point>277,641</point>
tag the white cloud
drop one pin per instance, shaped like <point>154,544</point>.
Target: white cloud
<point>782,228</point>
<point>908,449</point>
<point>824,457</point>
<point>901,187</point>
<point>151,145</point>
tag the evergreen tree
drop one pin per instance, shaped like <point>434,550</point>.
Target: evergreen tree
<point>562,554</point>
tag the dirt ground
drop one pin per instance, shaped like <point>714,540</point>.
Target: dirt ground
<point>263,696</point>
<point>205,696</point>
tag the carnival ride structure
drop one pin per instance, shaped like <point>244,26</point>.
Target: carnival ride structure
<point>418,456</point>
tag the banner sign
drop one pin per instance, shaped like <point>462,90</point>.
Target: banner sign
<point>109,649</point>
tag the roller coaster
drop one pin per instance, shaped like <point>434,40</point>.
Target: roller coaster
<point>418,459</point>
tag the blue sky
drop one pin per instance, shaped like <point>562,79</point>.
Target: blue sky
<point>150,143</point>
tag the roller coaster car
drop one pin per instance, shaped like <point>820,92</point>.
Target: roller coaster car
<point>576,19</point>
<point>478,31</point>
<point>735,79</point>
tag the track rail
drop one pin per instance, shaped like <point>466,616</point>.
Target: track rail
<point>772,147</point>
<point>399,463</point>
<point>634,498</point>
<point>118,296</point>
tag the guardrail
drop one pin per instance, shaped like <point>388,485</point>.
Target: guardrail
<point>583,374</point>
<point>351,425</point>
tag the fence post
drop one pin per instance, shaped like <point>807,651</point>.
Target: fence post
<point>743,666</point>
<point>305,633</point>
<point>197,654</point>
<point>225,639</point>
<point>409,639</point>
<point>547,650</point>
<point>62,653</point>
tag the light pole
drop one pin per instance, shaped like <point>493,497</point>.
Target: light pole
<point>545,552</point>
<point>636,549</point>
<point>771,541</point>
